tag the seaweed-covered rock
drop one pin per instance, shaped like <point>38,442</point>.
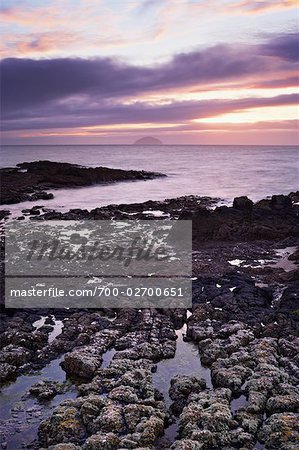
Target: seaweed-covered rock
<point>46,389</point>
<point>81,363</point>
<point>283,403</point>
<point>102,441</point>
<point>65,425</point>
<point>281,431</point>
<point>7,371</point>
<point>181,386</point>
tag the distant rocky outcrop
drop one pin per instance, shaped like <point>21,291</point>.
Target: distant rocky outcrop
<point>148,140</point>
<point>30,180</point>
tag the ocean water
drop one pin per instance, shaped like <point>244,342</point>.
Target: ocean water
<point>217,171</point>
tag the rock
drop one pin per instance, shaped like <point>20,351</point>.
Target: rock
<point>81,363</point>
<point>45,389</point>
<point>283,403</point>
<point>101,441</point>
<point>250,422</point>
<point>281,431</point>
<point>188,444</point>
<point>63,447</point>
<point>42,195</point>
<point>181,386</point>
<point>280,202</point>
<point>124,394</point>
<point>90,411</point>
<point>34,212</point>
<point>207,419</point>
<point>230,374</point>
<point>243,321</point>
<point>29,179</point>
<point>150,429</point>
<point>16,356</point>
<point>243,203</point>
<point>7,371</point>
<point>65,425</point>
<point>211,350</point>
<point>294,256</point>
<point>4,213</point>
<point>111,419</point>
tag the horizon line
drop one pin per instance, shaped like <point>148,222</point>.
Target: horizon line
<point>151,145</point>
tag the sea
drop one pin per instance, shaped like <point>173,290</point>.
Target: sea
<point>218,171</point>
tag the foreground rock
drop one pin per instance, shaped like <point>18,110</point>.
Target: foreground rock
<point>30,180</point>
<point>24,349</point>
<point>272,219</point>
<point>243,327</point>
<point>118,408</point>
<point>45,389</point>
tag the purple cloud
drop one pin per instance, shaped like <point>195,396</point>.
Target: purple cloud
<point>284,46</point>
<point>116,113</point>
<point>79,92</point>
<point>26,82</point>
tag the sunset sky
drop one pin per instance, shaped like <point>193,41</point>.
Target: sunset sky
<point>183,71</point>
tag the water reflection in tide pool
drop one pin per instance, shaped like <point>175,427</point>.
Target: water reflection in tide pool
<point>185,362</point>
<point>57,327</point>
<point>238,403</point>
<point>20,414</point>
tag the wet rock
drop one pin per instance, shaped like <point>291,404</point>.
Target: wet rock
<point>154,352</point>
<point>124,394</point>
<point>246,333</point>
<point>90,410</point>
<point>33,211</point>
<point>211,350</point>
<point>4,213</point>
<point>250,422</point>
<point>206,421</point>
<point>281,431</point>
<point>77,330</point>
<point>145,420</point>
<point>16,356</point>
<point>111,418</point>
<point>81,363</point>
<point>65,425</point>
<point>181,386</point>
<point>102,441</point>
<point>290,300</point>
<point>188,444</point>
<point>29,179</point>
<point>232,376</point>
<point>121,372</point>
<point>45,389</point>
<point>283,403</point>
<point>63,447</point>
<point>280,202</point>
<point>150,429</point>
<point>242,203</point>
<point>294,256</point>
<point>7,371</point>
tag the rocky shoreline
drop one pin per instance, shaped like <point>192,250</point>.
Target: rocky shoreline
<point>31,180</point>
<point>242,332</point>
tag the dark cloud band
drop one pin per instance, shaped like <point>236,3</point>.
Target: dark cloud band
<point>79,92</point>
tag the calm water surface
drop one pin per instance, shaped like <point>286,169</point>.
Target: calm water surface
<point>217,171</point>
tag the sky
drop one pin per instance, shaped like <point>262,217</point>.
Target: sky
<point>183,71</point>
